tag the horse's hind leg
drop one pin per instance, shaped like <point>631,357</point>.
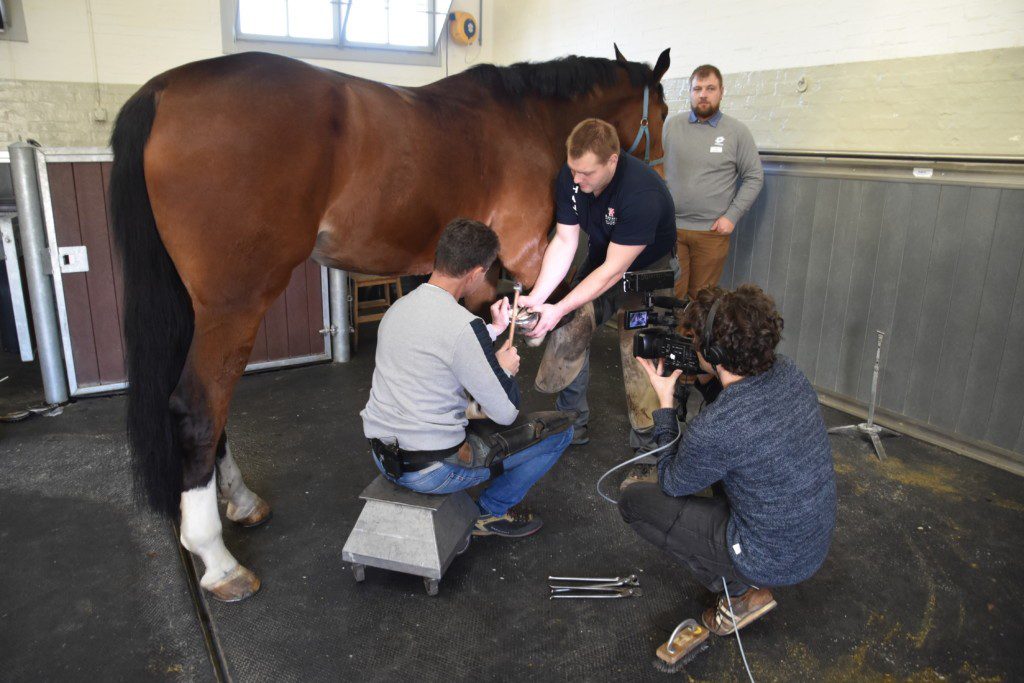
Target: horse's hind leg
<point>220,347</point>
<point>244,506</point>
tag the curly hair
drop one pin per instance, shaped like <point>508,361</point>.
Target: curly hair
<point>747,326</point>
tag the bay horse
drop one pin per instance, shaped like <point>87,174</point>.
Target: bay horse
<point>230,172</point>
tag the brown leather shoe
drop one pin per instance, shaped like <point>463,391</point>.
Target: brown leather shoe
<point>747,608</point>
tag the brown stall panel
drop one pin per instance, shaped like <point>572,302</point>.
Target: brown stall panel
<point>93,299</point>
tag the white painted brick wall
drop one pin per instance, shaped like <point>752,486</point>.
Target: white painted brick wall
<point>911,101</point>
<point>47,85</point>
<point>138,39</point>
<point>965,103</point>
<point>754,35</point>
<point>923,76</point>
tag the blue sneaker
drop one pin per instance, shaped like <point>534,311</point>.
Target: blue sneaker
<point>516,523</point>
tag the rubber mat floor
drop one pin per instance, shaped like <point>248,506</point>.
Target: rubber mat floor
<point>924,580</point>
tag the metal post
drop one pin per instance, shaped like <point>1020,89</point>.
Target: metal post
<point>869,429</point>
<point>874,379</point>
<point>338,294</point>
<point>10,257</point>
<point>37,268</point>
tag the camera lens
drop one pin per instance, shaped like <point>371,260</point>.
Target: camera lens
<point>645,344</point>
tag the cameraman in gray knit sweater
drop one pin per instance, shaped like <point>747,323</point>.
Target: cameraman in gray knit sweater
<point>760,443</point>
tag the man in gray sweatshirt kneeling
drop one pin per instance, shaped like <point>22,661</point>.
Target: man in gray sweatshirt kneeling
<point>760,443</point>
<point>432,354</point>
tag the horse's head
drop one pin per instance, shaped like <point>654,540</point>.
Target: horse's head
<point>643,111</point>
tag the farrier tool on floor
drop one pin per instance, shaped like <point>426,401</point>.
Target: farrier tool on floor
<point>587,588</point>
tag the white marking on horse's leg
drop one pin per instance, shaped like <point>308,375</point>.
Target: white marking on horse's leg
<point>241,501</point>
<point>201,533</point>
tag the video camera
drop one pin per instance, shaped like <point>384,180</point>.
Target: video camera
<point>662,341</point>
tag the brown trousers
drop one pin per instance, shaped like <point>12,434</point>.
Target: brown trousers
<point>701,260</point>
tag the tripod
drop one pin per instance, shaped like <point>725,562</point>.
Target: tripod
<point>869,429</point>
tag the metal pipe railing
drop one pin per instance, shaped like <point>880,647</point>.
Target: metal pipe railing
<point>38,271</point>
<point>341,351</point>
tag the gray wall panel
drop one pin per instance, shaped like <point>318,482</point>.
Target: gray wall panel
<point>838,290</point>
<point>1005,425</point>
<point>997,300</point>
<point>937,266</point>
<point>764,232</point>
<point>778,263</point>
<point>885,283</point>
<point>945,248</point>
<point>913,275</point>
<point>799,256</point>
<point>962,318</point>
<point>869,226</point>
<point>823,229</point>
<point>743,228</point>
<point>744,241</point>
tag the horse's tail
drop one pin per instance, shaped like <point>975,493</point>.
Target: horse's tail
<point>158,316</point>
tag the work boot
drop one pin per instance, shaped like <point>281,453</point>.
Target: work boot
<point>640,474</point>
<point>746,608</point>
<point>516,523</point>
<point>580,436</point>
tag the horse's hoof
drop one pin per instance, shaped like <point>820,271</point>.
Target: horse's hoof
<point>259,514</point>
<point>534,342</point>
<point>239,584</point>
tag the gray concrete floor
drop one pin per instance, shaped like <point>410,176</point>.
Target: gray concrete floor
<point>923,582</point>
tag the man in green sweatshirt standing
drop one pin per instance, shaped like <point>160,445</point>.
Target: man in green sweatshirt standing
<point>714,174</point>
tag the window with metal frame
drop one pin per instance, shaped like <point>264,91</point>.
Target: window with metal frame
<point>12,21</point>
<point>403,25</point>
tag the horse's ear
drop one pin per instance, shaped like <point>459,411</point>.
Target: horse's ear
<point>618,55</point>
<point>662,66</point>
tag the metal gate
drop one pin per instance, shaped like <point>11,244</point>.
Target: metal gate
<point>75,198</point>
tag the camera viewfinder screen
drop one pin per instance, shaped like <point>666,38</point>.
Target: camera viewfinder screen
<point>636,319</point>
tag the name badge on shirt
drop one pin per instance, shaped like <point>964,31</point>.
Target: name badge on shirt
<point>716,149</point>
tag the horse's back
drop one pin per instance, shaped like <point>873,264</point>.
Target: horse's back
<point>296,156</point>
<point>239,159</point>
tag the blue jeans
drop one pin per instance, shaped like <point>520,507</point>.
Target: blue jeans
<point>522,471</point>
<point>574,396</point>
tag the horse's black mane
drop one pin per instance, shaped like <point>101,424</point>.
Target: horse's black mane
<point>562,79</point>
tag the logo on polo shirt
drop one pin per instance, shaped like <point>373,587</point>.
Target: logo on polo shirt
<point>575,191</point>
<point>720,140</point>
<point>609,218</point>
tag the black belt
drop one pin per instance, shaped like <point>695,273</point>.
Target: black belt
<point>394,457</point>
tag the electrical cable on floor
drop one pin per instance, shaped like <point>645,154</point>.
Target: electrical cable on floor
<point>736,630</point>
<point>633,460</point>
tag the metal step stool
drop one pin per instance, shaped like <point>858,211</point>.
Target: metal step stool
<point>409,532</point>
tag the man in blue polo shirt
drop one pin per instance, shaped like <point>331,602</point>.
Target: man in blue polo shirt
<point>628,215</point>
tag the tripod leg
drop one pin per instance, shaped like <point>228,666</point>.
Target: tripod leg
<point>879,448</point>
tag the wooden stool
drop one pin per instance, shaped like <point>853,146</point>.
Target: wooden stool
<point>365,310</point>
